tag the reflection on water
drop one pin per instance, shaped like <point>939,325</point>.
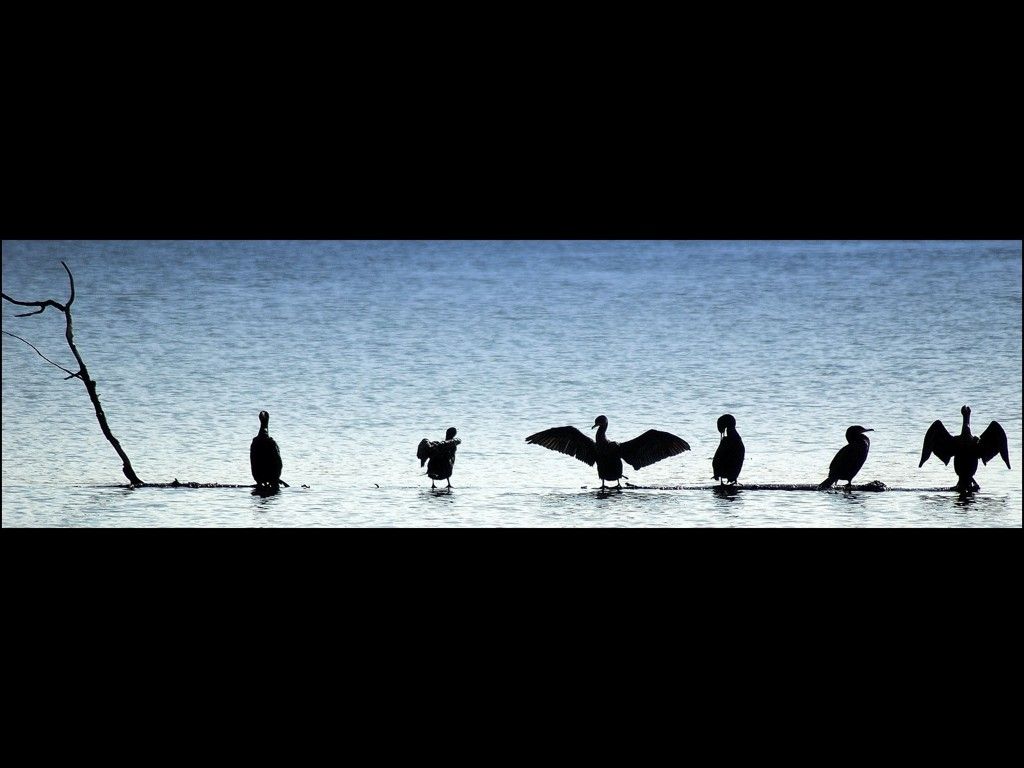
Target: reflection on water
<point>439,492</point>
<point>726,492</point>
<point>965,499</point>
<point>856,500</point>
<point>534,507</point>
<point>960,501</point>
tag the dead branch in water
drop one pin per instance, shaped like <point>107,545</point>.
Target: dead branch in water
<point>176,484</point>
<point>83,371</point>
<point>875,486</point>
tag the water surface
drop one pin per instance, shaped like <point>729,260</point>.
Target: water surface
<point>360,349</point>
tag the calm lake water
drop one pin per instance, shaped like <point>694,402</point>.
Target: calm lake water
<point>360,349</point>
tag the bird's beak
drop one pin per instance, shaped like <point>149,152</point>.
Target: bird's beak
<point>593,425</point>
<point>869,430</point>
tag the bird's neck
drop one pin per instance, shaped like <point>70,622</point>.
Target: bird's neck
<point>965,431</point>
<point>600,434</point>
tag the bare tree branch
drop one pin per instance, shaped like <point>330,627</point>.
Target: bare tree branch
<point>83,373</point>
<point>55,365</point>
<point>41,304</point>
<point>71,278</point>
<point>49,302</point>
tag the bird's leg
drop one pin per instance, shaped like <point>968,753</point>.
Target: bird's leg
<point>449,483</point>
<point>432,484</point>
<point>849,486</point>
<point>602,484</point>
<point>967,486</point>
<point>618,485</point>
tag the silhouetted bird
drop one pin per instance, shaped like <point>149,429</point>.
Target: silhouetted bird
<point>639,452</point>
<point>265,457</point>
<point>728,459</point>
<point>965,449</point>
<point>849,459</point>
<point>439,456</point>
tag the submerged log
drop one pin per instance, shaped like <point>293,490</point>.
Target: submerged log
<point>875,486</point>
<point>176,484</point>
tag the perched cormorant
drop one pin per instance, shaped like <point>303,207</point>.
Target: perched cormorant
<point>439,456</point>
<point>849,459</point>
<point>641,451</point>
<point>265,457</point>
<point>965,449</point>
<point>728,459</point>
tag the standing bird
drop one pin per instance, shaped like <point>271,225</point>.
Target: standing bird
<point>265,457</point>
<point>439,456</point>
<point>646,449</point>
<point>849,459</point>
<point>965,448</point>
<point>728,459</point>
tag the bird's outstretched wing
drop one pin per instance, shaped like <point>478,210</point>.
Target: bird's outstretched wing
<point>423,451</point>
<point>653,445</point>
<point>937,440</point>
<point>992,442</point>
<point>567,440</point>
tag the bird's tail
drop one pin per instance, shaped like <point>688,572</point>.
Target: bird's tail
<point>828,482</point>
<point>282,482</point>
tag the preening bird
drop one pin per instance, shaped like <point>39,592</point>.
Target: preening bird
<point>965,449</point>
<point>648,448</point>
<point>439,456</point>
<point>849,459</point>
<point>265,457</point>
<point>728,459</point>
